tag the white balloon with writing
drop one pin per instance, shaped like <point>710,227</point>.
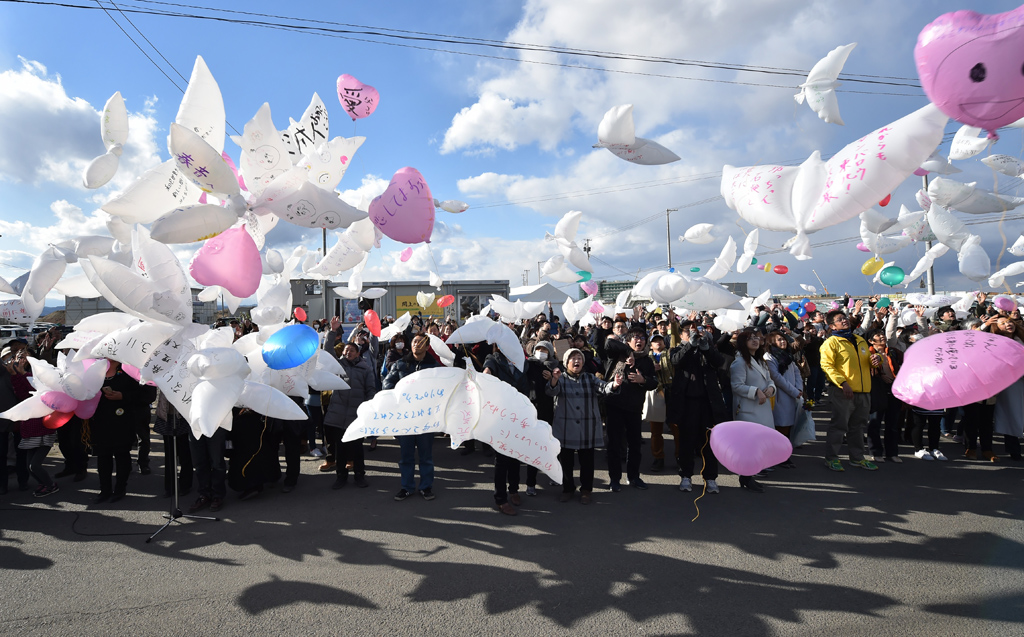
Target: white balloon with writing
<point>820,88</point>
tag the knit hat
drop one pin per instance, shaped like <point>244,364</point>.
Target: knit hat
<point>568,353</point>
<point>545,344</point>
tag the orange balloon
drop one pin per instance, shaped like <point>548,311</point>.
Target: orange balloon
<point>372,322</point>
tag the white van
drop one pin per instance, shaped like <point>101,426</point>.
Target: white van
<point>11,332</point>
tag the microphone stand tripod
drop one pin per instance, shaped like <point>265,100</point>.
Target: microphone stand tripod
<point>175,513</point>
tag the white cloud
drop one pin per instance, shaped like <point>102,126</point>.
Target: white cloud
<point>49,136</point>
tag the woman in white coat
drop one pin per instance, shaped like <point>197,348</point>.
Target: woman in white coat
<point>752,389</point>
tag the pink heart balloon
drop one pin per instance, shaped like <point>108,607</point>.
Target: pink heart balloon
<point>230,260</point>
<point>958,368</point>
<point>58,401</point>
<point>360,100</point>
<point>405,212</point>
<point>87,408</point>
<point>596,308</point>
<point>970,67</point>
<point>406,255</point>
<point>590,287</point>
<point>747,448</point>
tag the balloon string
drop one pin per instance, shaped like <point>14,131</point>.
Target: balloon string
<point>246,465</point>
<point>704,464</point>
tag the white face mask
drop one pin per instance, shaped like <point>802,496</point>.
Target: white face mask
<point>399,345</point>
<point>541,355</point>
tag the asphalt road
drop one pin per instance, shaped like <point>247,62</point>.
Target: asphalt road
<point>918,548</point>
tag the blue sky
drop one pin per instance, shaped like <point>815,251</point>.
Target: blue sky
<point>509,136</point>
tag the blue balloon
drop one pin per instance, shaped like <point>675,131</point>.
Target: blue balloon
<point>801,312</point>
<point>804,301</point>
<point>290,346</point>
<point>794,306</point>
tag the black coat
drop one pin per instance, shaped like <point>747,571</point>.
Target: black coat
<point>631,396</point>
<point>113,424</point>
<point>689,359</point>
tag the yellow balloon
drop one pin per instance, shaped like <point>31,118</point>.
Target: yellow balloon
<point>767,268</point>
<point>872,266</point>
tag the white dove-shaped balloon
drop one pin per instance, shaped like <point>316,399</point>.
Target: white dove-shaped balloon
<point>820,88</point>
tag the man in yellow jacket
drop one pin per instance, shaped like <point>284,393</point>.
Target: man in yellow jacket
<point>847,361</point>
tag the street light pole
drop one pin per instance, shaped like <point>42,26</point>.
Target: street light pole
<point>668,234</point>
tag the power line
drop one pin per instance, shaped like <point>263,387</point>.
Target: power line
<point>349,34</point>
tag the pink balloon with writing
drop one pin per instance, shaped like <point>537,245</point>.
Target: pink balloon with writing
<point>747,448</point>
<point>596,308</point>
<point>359,100</point>
<point>970,66</point>
<point>405,212</point>
<point>951,369</point>
<point>230,260</point>
<point>58,401</point>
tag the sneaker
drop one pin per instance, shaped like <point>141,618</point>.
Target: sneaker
<point>864,464</point>
<point>44,491</point>
<point>638,484</point>
<point>938,455</point>
<point>878,459</point>
<point>615,486</point>
<point>531,491</point>
<point>316,453</point>
<point>923,454</point>
<point>685,484</point>
<point>895,459</point>
<point>427,494</point>
<point>834,465</point>
<point>711,486</point>
<point>401,495</point>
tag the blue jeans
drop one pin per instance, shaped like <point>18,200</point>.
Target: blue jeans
<point>410,445</point>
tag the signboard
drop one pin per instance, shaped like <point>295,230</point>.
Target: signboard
<point>408,304</point>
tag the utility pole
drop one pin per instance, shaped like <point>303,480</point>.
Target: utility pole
<point>668,234</point>
<point>928,244</point>
<point>323,282</point>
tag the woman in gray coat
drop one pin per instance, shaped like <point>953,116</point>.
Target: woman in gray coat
<point>752,389</point>
<point>342,411</point>
<point>577,421</point>
<point>790,384</point>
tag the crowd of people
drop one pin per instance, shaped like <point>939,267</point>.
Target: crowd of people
<point>599,387</point>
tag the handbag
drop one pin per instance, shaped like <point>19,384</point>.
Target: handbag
<point>803,431</point>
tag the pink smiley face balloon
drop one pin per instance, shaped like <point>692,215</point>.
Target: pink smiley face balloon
<point>971,66</point>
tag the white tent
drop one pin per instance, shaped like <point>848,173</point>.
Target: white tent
<point>542,292</point>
